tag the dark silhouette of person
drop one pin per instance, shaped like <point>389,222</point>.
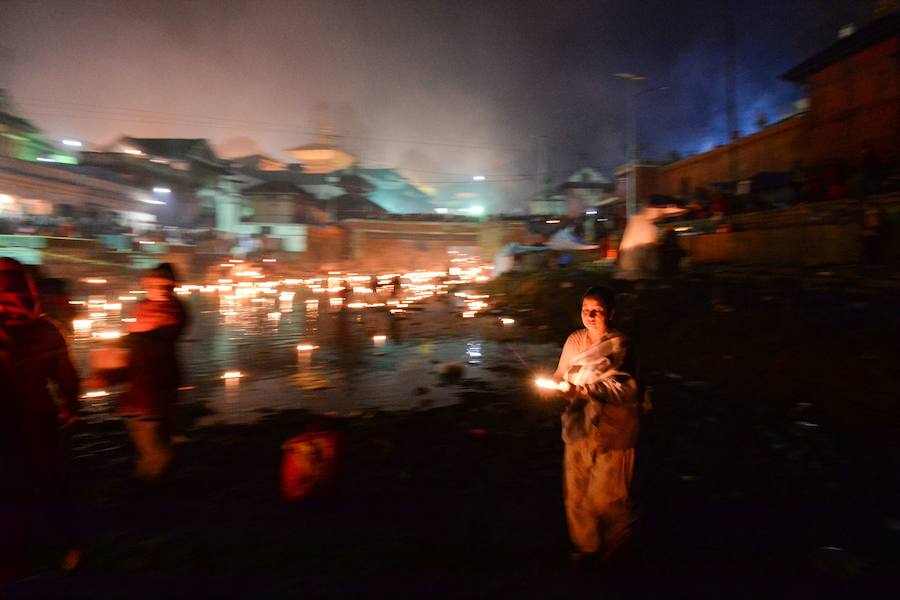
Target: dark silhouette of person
<point>35,354</point>
<point>154,372</point>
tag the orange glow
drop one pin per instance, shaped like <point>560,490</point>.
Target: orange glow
<point>107,335</point>
<point>82,324</point>
<point>547,384</point>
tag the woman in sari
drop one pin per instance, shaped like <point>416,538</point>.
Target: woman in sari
<point>599,428</point>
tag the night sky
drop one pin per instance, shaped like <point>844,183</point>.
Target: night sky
<point>443,90</point>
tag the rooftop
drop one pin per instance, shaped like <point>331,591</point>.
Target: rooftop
<point>868,35</point>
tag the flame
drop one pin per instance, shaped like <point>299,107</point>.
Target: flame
<point>547,384</point>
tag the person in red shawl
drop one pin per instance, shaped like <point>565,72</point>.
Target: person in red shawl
<point>153,369</point>
<point>34,353</point>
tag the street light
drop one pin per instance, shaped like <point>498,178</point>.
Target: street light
<point>633,149</point>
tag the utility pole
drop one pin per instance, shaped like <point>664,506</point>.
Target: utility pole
<point>632,151</point>
<point>542,167</point>
<point>731,90</point>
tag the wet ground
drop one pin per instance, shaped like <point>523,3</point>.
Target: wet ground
<point>298,351</point>
<point>768,466</point>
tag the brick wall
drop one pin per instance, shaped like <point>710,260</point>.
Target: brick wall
<point>776,148</point>
<point>856,102</point>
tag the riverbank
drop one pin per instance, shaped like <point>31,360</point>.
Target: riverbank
<point>769,463</point>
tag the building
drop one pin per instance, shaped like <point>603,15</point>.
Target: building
<point>85,201</point>
<point>322,156</point>
<point>185,175</point>
<point>585,189</point>
<point>853,107</point>
<point>854,94</point>
<point>779,147</point>
<point>395,193</point>
<point>386,188</point>
<point>22,140</point>
<point>282,202</point>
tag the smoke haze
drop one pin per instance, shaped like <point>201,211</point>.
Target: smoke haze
<point>442,90</point>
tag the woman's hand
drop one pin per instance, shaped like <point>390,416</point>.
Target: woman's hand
<point>569,391</point>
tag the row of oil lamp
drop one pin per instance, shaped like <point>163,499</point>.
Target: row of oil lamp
<point>246,283</point>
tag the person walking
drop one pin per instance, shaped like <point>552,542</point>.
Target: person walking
<point>148,403</point>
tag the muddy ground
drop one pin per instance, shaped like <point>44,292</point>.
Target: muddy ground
<point>769,465</point>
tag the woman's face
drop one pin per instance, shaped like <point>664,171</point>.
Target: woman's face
<point>594,316</point>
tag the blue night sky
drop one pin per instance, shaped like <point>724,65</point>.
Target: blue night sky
<point>443,90</point>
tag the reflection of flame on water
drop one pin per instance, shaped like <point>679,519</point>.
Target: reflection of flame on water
<point>232,375</point>
<point>82,324</point>
<point>473,352</point>
<point>507,321</point>
<point>379,339</point>
<point>306,347</point>
<point>96,394</point>
<point>107,335</point>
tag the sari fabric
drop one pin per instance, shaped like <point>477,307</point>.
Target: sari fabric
<point>599,429</point>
